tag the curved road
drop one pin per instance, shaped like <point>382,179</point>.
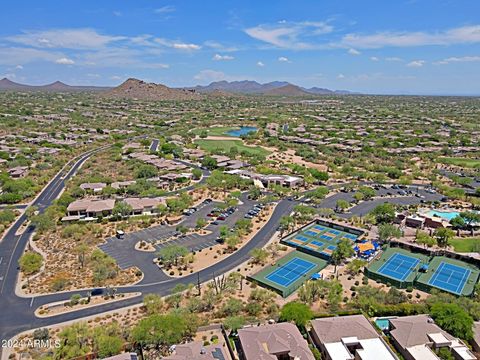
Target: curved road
<point>18,312</point>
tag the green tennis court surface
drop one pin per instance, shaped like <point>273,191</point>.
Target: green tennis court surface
<point>403,268</point>
<point>287,274</point>
<point>450,275</point>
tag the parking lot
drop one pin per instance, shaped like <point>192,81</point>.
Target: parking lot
<point>123,249</point>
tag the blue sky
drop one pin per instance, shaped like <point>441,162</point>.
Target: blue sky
<point>384,47</point>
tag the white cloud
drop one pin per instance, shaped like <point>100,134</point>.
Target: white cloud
<point>219,47</point>
<point>115,77</point>
<point>340,76</point>
<point>290,35</point>
<point>19,67</point>
<point>397,59</point>
<point>460,35</point>
<point>209,76</point>
<point>65,61</point>
<point>184,46</point>
<point>261,64</point>
<point>165,9</point>
<point>416,63</point>
<point>283,59</point>
<point>177,45</point>
<point>374,58</point>
<point>65,39</point>
<point>12,56</point>
<point>218,57</point>
<point>94,76</point>
<point>117,13</point>
<point>352,51</point>
<point>458,59</point>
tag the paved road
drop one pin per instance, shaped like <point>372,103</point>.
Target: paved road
<point>122,250</point>
<point>18,313</point>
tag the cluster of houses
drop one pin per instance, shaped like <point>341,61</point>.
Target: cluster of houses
<point>159,163</point>
<point>94,208</point>
<point>351,337</point>
<point>336,338</point>
<point>266,181</point>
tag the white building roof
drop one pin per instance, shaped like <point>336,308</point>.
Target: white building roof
<point>422,352</point>
<point>373,349</point>
<point>338,351</point>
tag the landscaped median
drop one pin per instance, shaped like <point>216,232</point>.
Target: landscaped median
<point>77,302</point>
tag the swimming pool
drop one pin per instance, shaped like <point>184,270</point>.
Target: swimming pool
<point>447,215</point>
<point>383,323</point>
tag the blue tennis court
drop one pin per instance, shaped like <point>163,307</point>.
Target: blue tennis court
<point>336,232</point>
<point>301,238</point>
<point>331,247</point>
<point>318,243</point>
<point>450,277</point>
<point>326,237</point>
<point>290,272</point>
<point>319,228</point>
<point>311,233</point>
<point>350,236</point>
<point>398,266</point>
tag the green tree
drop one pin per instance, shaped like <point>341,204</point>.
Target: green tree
<point>122,209</point>
<point>254,193</point>
<point>423,238</point>
<point>443,236</point>
<point>30,263</point>
<point>297,312</point>
<point>108,345</point>
<point>232,241</point>
<point>342,205</point>
<point>44,222</point>
<point>153,303</point>
<point>74,341</point>
<point>453,319</point>
<point>196,173</point>
<point>170,254</point>
<point>343,251</point>
<point>161,331</point>
<point>384,213</point>
<point>386,232</point>
<point>209,162</point>
<point>233,323</point>
<point>259,256</point>
<point>146,172</point>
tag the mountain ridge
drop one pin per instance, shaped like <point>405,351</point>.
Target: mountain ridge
<point>135,88</point>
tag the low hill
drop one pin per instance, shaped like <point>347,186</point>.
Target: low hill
<point>57,86</point>
<point>287,90</point>
<point>138,89</point>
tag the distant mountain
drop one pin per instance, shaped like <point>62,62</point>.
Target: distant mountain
<point>57,86</point>
<point>287,90</point>
<point>279,88</point>
<point>138,89</point>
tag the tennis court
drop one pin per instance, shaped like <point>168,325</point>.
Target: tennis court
<point>396,266</point>
<point>450,278</point>
<point>290,272</point>
<point>399,266</point>
<point>321,237</point>
<point>287,274</point>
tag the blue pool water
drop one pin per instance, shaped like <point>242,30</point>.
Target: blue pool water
<point>242,131</point>
<point>447,215</point>
<point>382,323</point>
